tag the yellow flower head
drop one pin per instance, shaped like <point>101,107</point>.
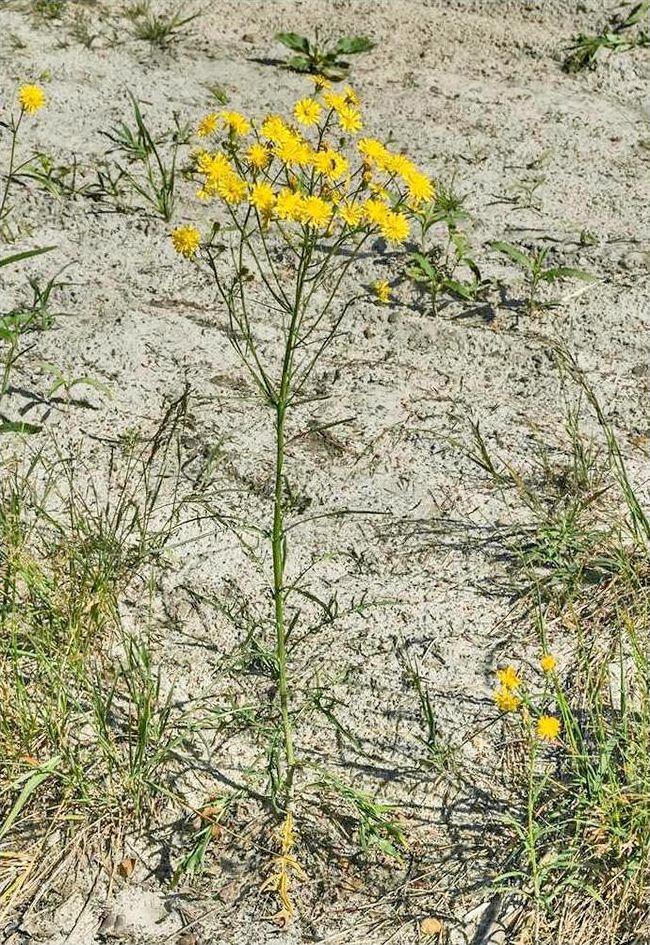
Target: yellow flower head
<point>31,98</point>
<point>236,123</point>
<point>208,125</point>
<point>258,156</point>
<point>213,166</point>
<point>547,662</point>
<point>382,291</point>
<point>307,111</point>
<point>350,96</point>
<point>509,678</point>
<point>376,211</point>
<point>232,188</point>
<point>419,186</point>
<point>350,119</point>
<point>506,700</point>
<point>263,198</point>
<point>275,129</point>
<point>289,205</point>
<point>548,728</point>
<point>395,227</point>
<point>330,163</point>
<point>292,149</point>
<point>316,211</point>
<point>351,213</point>
<point>335,101</point>
<point>320,82</point>
<point>372,149</point>
<point>186,240</point>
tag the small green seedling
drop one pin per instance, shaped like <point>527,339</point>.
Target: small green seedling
<point>158,29</point>
<point>446,268</point>
<point>536,272</point>
<point>311,57</point>
<point>615,37</point>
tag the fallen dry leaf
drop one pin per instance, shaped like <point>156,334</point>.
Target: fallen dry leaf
<point>431,926</point>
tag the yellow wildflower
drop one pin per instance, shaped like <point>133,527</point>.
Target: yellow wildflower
<point>509,678</point>
<point>351,213</point>
<point>289,205</point>
<point>31,98</point>
<point>207,126</point>
<point>419,186</point>
<point>382,291</point>
<point>335,101</point>
<point>350,96</point>
<point>506,700</point>
<point>307,111</point>
<point>372,149</point>
<point>263,198</point>
<point>548,728</point>
<point>395,227</point>
<point>236,122</point>
<point>547,662</point>
<point>292,149</point>
<point>275,129</point>
<point>232,189</point>
<point>258,156</point>
<point>350,119</point>
<point>213,166</point>
<point>330,163</point>
<point>376,211</point>
<point>316,211</point>
<point>186,240</point>
<point>320,82</point>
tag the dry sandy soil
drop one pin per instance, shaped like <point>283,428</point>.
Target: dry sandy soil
<point>474,89</point>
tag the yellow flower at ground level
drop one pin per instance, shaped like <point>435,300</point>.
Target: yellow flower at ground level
<point>506,700</point>
<point>258,156</point>
<point>382,291</point>
<point>547,662</point>
<point>376,211</point>
<point>350,119</point>
<point>275,129</point>
<point>509,677</point>
<point>263,198</point>
<point>395,227</point>
<point>371,149</point>
<point>307,111</point>
<point>31,98</point>
<point>236,122</point>
<point>186,240</point>
<point>208,125</point>
<point>350,96</point>
<point>548,728</point>
<point>419,186</point>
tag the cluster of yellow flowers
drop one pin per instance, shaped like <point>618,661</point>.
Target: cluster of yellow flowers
<point>284,176</point>
<point>508,699</point>
<point>31,98</point>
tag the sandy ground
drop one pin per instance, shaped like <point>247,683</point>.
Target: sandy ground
<point>476,92</point>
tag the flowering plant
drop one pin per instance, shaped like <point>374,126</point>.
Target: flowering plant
<point>299,197</point>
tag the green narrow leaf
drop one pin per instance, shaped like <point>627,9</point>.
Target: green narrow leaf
<point>18,426</point>
<point>32,784</point>
<point>515,254</point>
<point>8,260</point>
<point>350,45</point>
<point>294,41</point>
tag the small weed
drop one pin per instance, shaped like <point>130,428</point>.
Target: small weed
<point>537,273</point>
<point>160,30</point>
<point>616,37</point>
<point>446,268</point>
<point>312,57</point>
